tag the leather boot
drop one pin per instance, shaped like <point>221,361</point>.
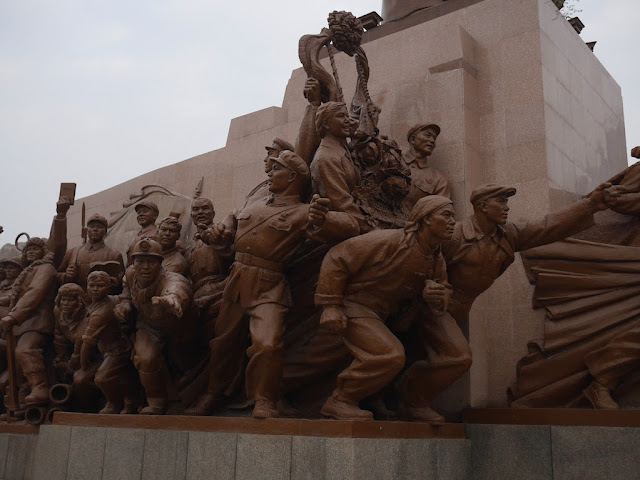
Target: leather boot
<point>600,396</point>
<point>340,408</point>
<point>39,390</point>
<point>205,406</point>
<point>156,393</point>
<point>265,409</point>
<point>421,414</point>
<point>156,406</point>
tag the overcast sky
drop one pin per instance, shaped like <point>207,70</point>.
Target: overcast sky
<point>97,92</point>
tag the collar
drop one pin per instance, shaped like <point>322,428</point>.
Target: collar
<point>166,253</point>
<point>332,144</point>
<point>282,200</point>
<point>95,306</point>
<point>471,230</point>
<point>148,228</point>
<point>91,247</point>
<point>410,158</point>
<point>74,320</point>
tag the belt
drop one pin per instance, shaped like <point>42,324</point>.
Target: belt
<point>259,262</point>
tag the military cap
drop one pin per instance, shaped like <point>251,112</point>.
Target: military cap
<point>149,204</point>
<point>13,261</point>
<point>280,145</point>
<point>98,218</point>
<point>293,162</point>
<point>147,247</point>
<point>491,190</point>
<point>422,126</point>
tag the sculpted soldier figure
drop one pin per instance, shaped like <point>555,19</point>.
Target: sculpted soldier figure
<point>147,215</point>
<point>332,172</point>
<point>11,267</point>
<point>262,190</point>
<point>31,316</point>
<point>116,376</point>
<point>424,179</point>
<point>160,299</point>
<point>77,262</point>
<point>168,236</point>
<point>208,265</point>
<point>362,281</point>
<point>265,237</point>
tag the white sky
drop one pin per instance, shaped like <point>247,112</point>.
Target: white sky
<point>97,92</point>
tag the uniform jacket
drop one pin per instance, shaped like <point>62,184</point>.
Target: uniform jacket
<point>103,329</point>
<point>270,230</point>
<point>475,261</point>
<point>174,261</point>
<point>86,255</point>
<point>156,316</point>
<point>378,270</point>
<point>424,180</point>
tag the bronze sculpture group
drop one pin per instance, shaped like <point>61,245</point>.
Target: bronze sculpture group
<point>192,328</point>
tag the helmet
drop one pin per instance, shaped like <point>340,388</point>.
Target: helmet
<point>147,247</point>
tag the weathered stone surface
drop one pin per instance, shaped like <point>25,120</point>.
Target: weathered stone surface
<point>123,453</point>
<point>510,451</point>
<point>587,453</point>
<point>165,455</point>
<point>263,457</point>
<point>211,455</point>
<point>86,452</point>
<point>20,454</point>
<point>52,452</point>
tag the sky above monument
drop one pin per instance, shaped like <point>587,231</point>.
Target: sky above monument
<point>99,92</point>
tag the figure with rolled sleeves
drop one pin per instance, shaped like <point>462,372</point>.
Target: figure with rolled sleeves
<point>265,236</point>
<point>31,316</point>
<point>160,299</point>
<point>362,282</point>
<point>147,214</point>
<point>116,375</point>
<point>77,262</point>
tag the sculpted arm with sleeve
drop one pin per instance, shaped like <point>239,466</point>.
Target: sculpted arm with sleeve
<point>43,281</point>
<point>308,139</point>
<point>345,213</point>
<point>561,224</point>
<point>97,323</point>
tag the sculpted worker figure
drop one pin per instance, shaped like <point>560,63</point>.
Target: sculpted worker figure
<point>70,313</point>
<point>265,236</point>
<point>31,316</point>
<point>424,179</point>
<point>362,281</point>
<point>333,174</point>
<point>168,236</point>
<point>484,245</point>
<point>147,215</point>
<point>160,299</point>
<point>77,262</point>
<point>116,375</point>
